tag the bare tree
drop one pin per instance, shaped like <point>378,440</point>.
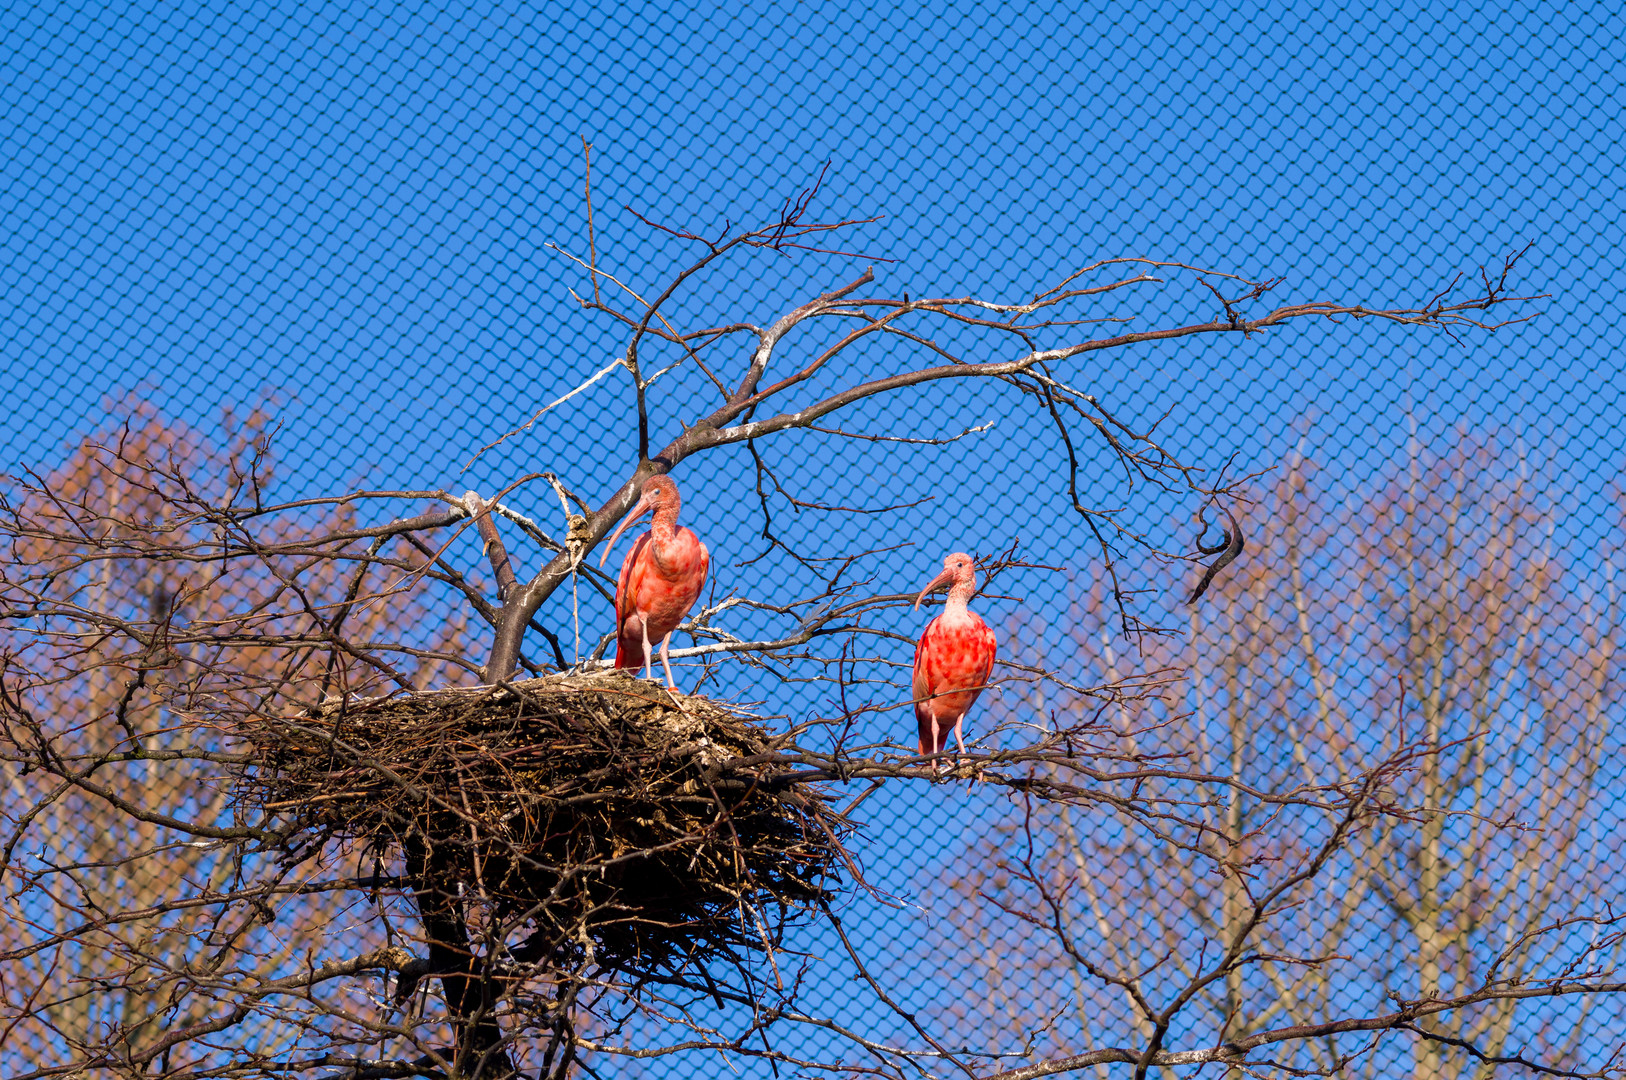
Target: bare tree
<point>316,853</point>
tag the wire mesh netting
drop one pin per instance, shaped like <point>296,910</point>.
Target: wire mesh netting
<point>290,252</point>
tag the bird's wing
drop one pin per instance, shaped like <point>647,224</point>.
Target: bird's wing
<point>920,686</point>
<point>987,650</point>
<point>629,648</point>
<point>633,570</point>
<point>928,641</point>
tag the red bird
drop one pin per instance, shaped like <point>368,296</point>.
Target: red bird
<point>660,579</point>
<point>953,660</point>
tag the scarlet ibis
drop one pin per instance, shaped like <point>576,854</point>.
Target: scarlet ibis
<point>660,579</point>
<point>953,659</point>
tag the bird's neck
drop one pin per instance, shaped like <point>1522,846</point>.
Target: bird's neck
<point>663,523</point>
<point>959,596</point>
<point>663,534</point>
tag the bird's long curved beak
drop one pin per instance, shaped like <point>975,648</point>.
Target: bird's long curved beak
<point>945,578</point>
<point>644,506</point>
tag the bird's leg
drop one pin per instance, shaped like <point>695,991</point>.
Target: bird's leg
<point>649,657</point>
<point>666,662</point>
<point>937,745</point>
<point>959,741</point>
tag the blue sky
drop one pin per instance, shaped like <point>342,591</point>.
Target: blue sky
<point>342,212</point>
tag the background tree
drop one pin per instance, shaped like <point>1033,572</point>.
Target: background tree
<point>1434,607</point>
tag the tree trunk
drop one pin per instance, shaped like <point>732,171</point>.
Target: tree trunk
<point>471,997</point>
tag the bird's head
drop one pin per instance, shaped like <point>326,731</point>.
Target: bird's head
<point>660,495</point>
<point>958,569</point>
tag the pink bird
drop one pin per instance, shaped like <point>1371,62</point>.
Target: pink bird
<point>660,579</point>
<point>953,660</point>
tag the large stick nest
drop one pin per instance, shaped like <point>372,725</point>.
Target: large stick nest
<point>623,828</point>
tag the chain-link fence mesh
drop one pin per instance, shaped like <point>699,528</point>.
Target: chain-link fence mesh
<point>353,232</point>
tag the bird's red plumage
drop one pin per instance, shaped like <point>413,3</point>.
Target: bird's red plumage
<point>659,590</point>
<point>953,659</point>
